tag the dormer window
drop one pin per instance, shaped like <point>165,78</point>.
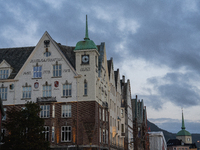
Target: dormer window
<point>4,73</point>
<point>5,70</point>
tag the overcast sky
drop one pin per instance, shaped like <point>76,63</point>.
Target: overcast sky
<point>154,43</point>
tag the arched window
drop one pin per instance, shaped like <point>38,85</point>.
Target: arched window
<point>46,90</point>
<point>85,87</point>
<point>26,91</point>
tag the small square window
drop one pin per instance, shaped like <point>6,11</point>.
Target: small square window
<point>4,74</point>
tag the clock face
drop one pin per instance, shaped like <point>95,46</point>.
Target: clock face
<point>85,59</point>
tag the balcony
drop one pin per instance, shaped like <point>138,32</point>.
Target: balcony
<point>46,99</point>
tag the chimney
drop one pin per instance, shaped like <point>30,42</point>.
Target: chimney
<point>123,79</point>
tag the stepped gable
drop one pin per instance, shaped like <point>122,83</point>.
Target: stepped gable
<point>116,77</point>
<point>109,67</point>
<point>16,57</point>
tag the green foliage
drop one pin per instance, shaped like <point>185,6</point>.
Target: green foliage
<point>25,129</point>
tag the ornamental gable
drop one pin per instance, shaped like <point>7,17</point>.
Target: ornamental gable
<point>47,72</point>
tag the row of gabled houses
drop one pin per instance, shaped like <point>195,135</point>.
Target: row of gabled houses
<point>83,100</point>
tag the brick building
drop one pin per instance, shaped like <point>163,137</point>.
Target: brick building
<point>141,137</point>
<point>2,114</point>
<point>81,96</point>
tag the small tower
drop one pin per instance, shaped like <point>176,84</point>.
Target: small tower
<point>87,55</point>
<point>183,134</point>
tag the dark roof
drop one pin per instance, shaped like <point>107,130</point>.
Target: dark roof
<point>16,57</point>
<point>69,53</point>
<point>173,142</point>
<point>116,77</point>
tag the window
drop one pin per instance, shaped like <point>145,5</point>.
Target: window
<point>26,93</point>
<point>67,89</point>
<point>46,133</point>
<point>53,111</point>
<point>100,113</point>
<point>53,135</point>
<point>44,113</point>
<point>85,87</point>
<point>103,115</point>
<point>107,136</point>
<point>4,117</point>
<point>37,72</point>
<point>4,74</point>
<point>46,90</point>
<point>100,135</point>
<point>122,128</point>
<point>57,70</point>
<point>47,54</point>
<point>3,93</point>
<point>122,113</point>
<point>103,135</point>
<point>66,134</point>
<point>66,111</point>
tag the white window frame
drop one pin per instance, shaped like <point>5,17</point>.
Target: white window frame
<point>4,73</point>
<point>53,134</point>
<point>53,111</point>
<point>66,134</point>
<point>37,71</point>
<point>46,92</point>
<point>45,112</point>
<point>46,133</point>
<point>104,135</point>
<point>57,70</point>
<point>66,111</point>
<point>100,113</point>
<point>3,93</point>
<point>26,92</point>
<point>67,90</point>
<point>103,114</point>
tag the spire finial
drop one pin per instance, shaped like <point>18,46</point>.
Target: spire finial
<point>86,31</point>
<point>183,124</point>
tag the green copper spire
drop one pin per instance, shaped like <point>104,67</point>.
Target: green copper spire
<point>86,31</point>
<point>183,132</point>
<point>87,43</point>
<point>183,124</point>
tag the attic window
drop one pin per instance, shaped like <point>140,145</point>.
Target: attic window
<point>47,53</point>
<point>4,74</point>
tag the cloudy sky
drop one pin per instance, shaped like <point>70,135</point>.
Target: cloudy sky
<point>154,43</point>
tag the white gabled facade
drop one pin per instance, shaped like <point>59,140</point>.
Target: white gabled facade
<point>25,77</point>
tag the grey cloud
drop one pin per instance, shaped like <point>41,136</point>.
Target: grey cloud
<point>176,87</point>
